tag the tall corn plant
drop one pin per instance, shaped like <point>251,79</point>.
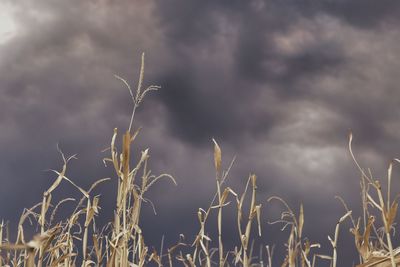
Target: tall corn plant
<point>127,245</point>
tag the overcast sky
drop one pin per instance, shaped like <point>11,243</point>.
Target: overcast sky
<point>279,84</point>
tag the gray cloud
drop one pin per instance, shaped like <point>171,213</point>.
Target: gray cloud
<point>277,83</point>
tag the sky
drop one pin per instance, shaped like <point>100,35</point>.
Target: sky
<point>278,84</point>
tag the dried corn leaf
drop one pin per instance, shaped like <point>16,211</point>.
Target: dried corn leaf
<point>217,156</point>
<point>391,216</point>
<point>258,212</point>
<point>301,220</point>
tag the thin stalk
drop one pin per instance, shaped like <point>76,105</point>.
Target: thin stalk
<point>85,234</point>
<point>221,248</point>
<point>389,240</point>
<point>132,116</point>
<point>42,225</point>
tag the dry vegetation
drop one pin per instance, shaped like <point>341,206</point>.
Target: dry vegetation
<point>76,240</point>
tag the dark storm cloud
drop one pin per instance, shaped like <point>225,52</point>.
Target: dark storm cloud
<point>363,14</point>
<point>277,83</point>
<point>249,51</point>
<point>197,115</point>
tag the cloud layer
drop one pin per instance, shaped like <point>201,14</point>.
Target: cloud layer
<point>277,83</point>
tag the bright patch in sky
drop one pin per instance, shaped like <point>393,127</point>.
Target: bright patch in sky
<point>7,24</point>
